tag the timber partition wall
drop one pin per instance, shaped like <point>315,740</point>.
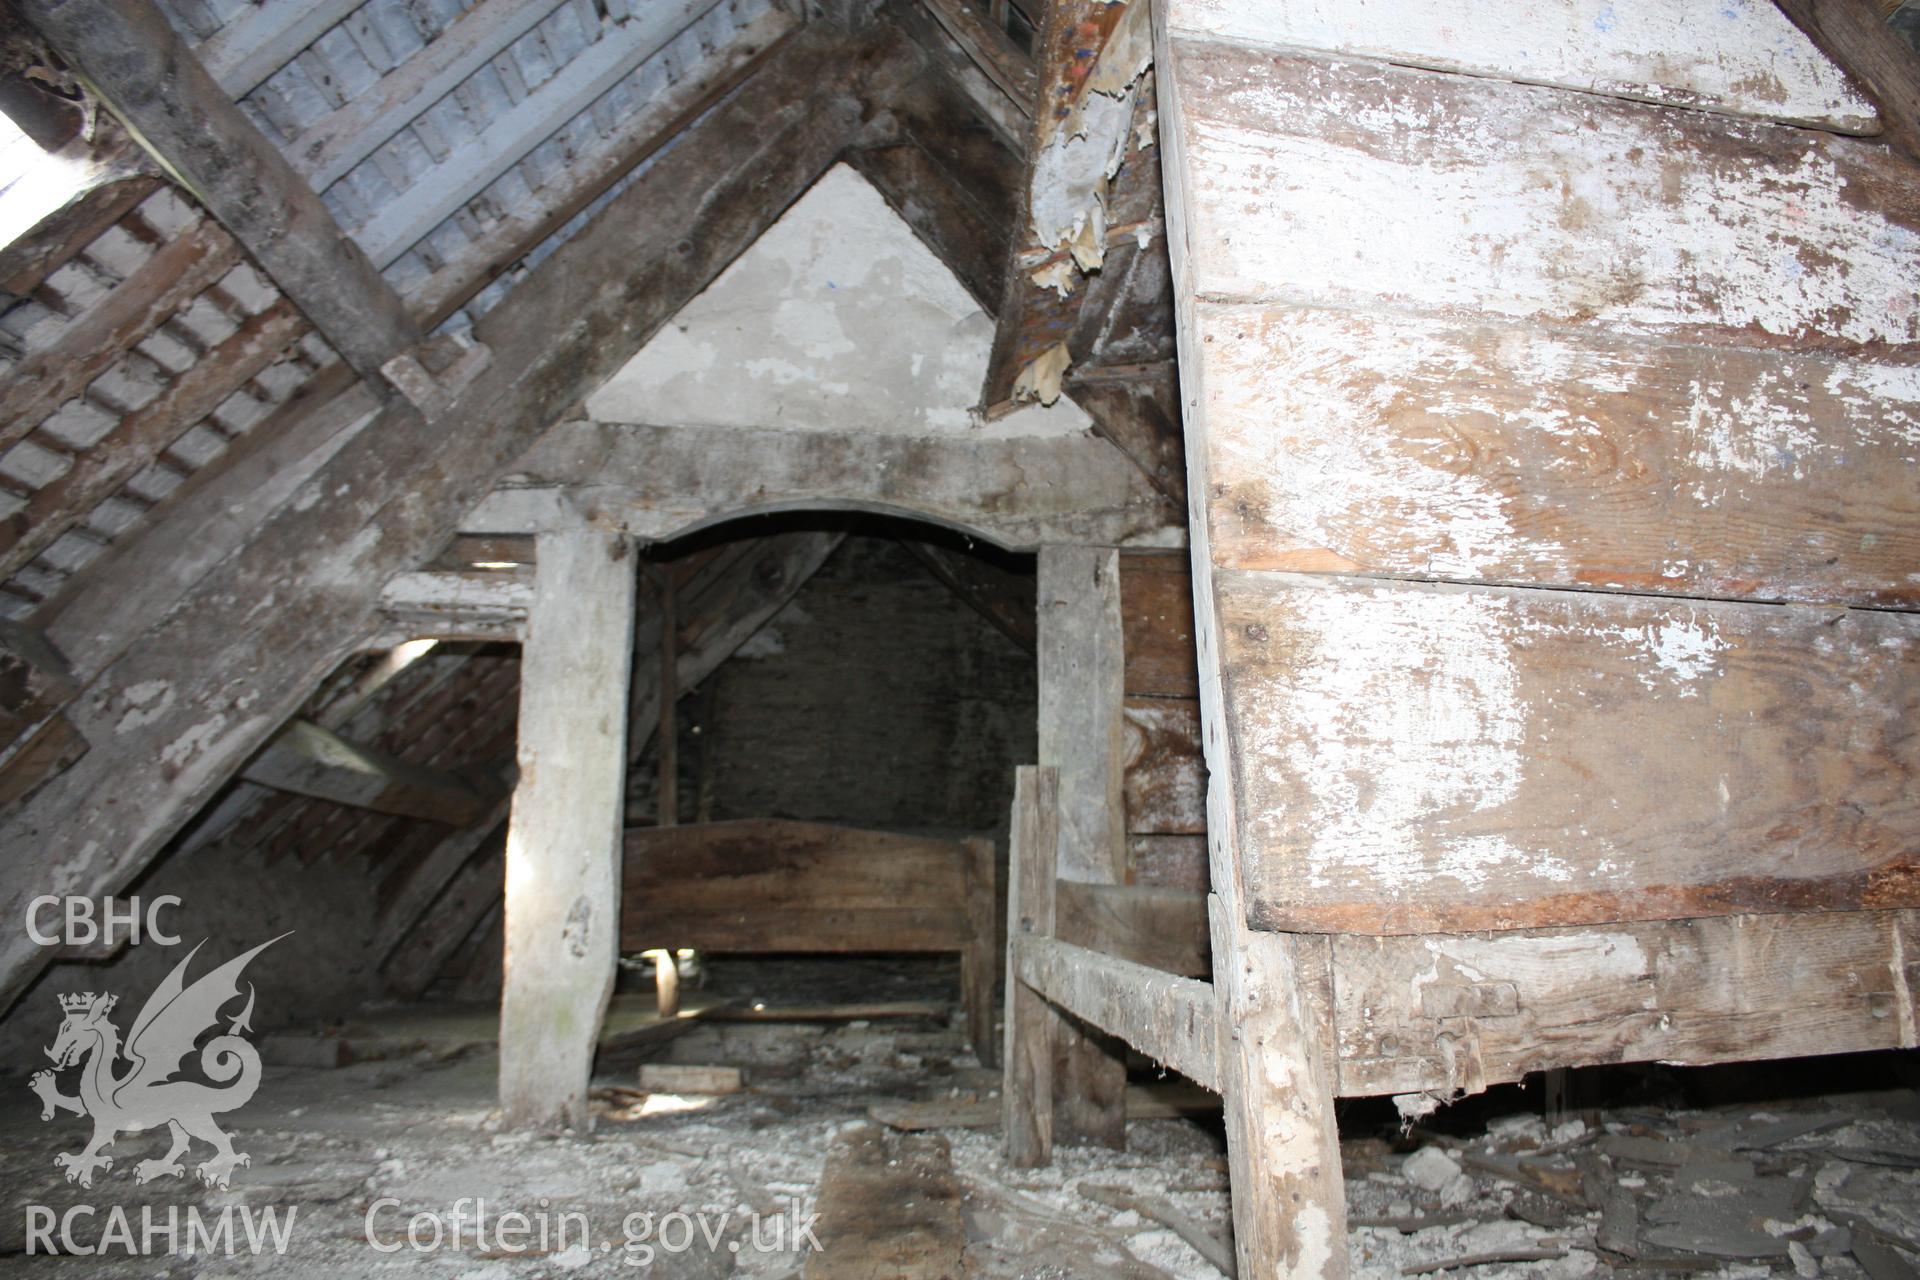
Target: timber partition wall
<point>755,886</point>
<point>1553,423</point>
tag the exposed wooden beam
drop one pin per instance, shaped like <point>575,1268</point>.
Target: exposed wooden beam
<point>457,606</point>
<point>992,50</point>
<point>721,607</point>
<point>666,810</point>
<point>408,897</point>
<point>338,141</point>
<point>726,601</point>
<point>1855,34</point>
<point>657,482</point>
<point>1032,1025</point>
<point>144,434</point>
<point>1136,408</point>
<point>218,672</point>
<point>472,892</point>
<point>264,37</point>
<point>661,119</point>
<point>1168,1018</point>
<point>953,179</point>
<point>159,287</point>
<point>1058,306</point>
<point>124,590</point>
<point>134,61</point>
<point>1011,120</point>
<point>473,165</point>
<point>308,760</point>
<point>108,178</point>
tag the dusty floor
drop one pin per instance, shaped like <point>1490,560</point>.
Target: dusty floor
<point>669,1185</point>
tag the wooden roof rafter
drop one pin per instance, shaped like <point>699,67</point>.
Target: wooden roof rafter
<point>232,672</point>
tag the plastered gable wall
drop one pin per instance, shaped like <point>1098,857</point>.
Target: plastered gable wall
<point>837,319</point>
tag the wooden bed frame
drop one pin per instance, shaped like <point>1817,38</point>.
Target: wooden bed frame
<point>768,886</point>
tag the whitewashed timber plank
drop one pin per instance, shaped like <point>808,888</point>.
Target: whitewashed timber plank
<point>1742,57</point>
<point>1424,447</point>
<point>1419,757</point>
<point>1731,989</point>
<point>1352,184</point>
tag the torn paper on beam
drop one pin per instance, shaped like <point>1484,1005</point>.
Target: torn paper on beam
<point>1040,380</point>
<point>1067,199</point>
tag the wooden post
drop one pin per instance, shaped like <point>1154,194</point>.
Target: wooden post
<point>978,966</point>
<point>563,842</point>
<point>667,807</point>
<point>1276,1079</point>
<point>1082,662</point>
<point>1082,736</point>
<point>666,971</point>
<point>1027,1093</point>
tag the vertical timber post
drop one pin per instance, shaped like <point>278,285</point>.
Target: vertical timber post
<point>1083,737</point>
<point>979,964</point>
<point>563,840</point>
<point>666,970</point>
<point>1027,1093</point>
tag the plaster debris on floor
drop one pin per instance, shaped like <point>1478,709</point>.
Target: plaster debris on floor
<point>725,1181</point>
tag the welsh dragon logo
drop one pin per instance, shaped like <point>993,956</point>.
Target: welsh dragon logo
<point>146,1096</point>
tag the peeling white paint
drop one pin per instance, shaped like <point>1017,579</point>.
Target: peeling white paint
<point>837,319</point>
<point>1740,56</point>
<point>1384,734</point>
<point>1445,193</point>
<point>183,750</point>
<point>146,701</point>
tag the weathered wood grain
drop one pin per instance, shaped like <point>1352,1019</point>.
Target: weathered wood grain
<point>1031,1023</point>
<point>1277,1074</point>
<point>660,482</point>
<point>1166,1017</point>
<point>1159,928</point>
<point>1741,57</point>
<point>1164,782</point>
<point>1081,732</point>
<point>772,885</point>
<point>1168,862</point>
<point>176,274</point>
<point>141,69</point>
<point>752,928</point>
<point>145,433</point>
<point>1422,757</point>
<point>306,759</point>
<point>1156,616</point>
<point>1435,1013</point>
<point>184,704</point>
<point>1863,42</point>
<point>1406,445</point>
<point>1446,193</point>
<point>890,1209</point>
<point>563,870</point>
<point>794,865</point>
